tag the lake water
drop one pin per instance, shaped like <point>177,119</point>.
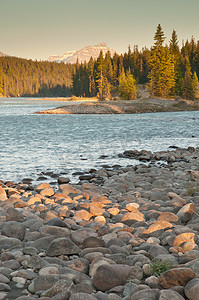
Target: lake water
<point>31,143</point>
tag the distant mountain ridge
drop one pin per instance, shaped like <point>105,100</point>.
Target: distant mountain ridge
<point>3,54</point>
<point>83,54</point>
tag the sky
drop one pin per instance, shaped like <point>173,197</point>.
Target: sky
<point>36,29</point>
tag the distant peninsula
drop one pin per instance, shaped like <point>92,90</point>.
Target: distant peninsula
<point>124,106</point>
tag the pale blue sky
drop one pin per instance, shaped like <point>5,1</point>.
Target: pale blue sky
<point>38,28</point>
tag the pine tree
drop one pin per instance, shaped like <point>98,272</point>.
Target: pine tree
<point>188,89</point>
<point>76,80</point>
<point>175,52</point>
<point>159,36</point>
<point>193,54</point>
<point>103,85</point>
<point>145,65</point>
<point>173,44</point>
<point>1,80</point>
<point>92,87</point>
<point>195,84</point>
<point>197,59</point>
<point>162,75</point>
<point>109,67</point>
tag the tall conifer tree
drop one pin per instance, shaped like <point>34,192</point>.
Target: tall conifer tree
<point>162,75</point>
<point>103,85</point>
<point>92,87</point>
<point>195,83</point>
<point>159,36</point>
<point>173,44</point>
<point>1,80</point>
<point>175,52</point>
<point>109,67</point>
<point>189,84</point>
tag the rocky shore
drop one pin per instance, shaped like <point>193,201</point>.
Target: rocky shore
<point>125,107</point>
<point>120,233</point>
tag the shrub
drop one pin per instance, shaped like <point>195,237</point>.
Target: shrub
<point>191,190</point>
<point>127,86</point>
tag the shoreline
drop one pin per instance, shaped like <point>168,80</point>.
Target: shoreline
<point>66,99</point>
<point>54,99</point>
<point>150,105</point>
<point>72,240</point>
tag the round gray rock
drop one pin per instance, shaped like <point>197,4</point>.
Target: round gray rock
<point>12,214</point>
<point>192,289</point>
<point>169,294</point>
<point>82,296</point>
<point>62,246</point>
<point>14,229</point>
<point>109,276</point>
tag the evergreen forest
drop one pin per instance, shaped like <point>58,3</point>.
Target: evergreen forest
<point>168,70</point>
<point>22,77</point>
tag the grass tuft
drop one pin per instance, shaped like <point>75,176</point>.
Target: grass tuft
<point>158,267</point>
<point>191,190</point>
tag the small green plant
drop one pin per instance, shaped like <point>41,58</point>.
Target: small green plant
<point>191,190</point>
<point>179,104</point>
<point>158,267</point>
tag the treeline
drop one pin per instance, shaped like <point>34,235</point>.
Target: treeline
<point>167,69</point>
<point>101,77</point>
<point>22,77</point>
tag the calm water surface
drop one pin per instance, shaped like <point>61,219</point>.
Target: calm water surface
<point>30,143</point>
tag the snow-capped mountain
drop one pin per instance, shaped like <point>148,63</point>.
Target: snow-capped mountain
<point>3,54</point>
<point>82,54</point>
<point>61,58</point>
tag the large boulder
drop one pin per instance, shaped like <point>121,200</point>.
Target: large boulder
<point>47,192</point>
<point>3,195</point>
<point>62,246</point>
<point>82,215</point>
<point>136,216</point>
<point>9,242</point>
<point>14,230</point>
<point>186,212</point>
<point>82,296</point>
<point>42,243</point>
<point>78,236</point>
<point>170,295</point>
<point>192,289</point>
<point>175,277</point>
<point>158,225</point>
<point>67,189</point>
<point>12,214</point>
<point>54,230</point>
<point>63,180</point>
<point>42,186</point>
<point>146,294</point>
<point>194,175</point>
<point>92,242</point>
<point>109,276</point>
<point>60,286</point>
<point>45,282</point>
